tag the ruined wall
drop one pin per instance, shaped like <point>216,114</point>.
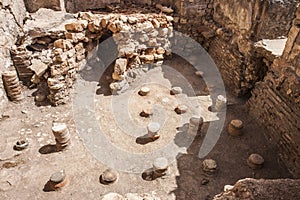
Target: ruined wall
<point>12,13</point>
<point>51,53</point>
<point>34,5</point>
<point>229,29</point>
<point>79,5</point>
<point>240,25</point>
<point>275,101</point>
<point>230,34</point>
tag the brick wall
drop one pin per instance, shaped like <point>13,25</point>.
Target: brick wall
<point>276,101</point>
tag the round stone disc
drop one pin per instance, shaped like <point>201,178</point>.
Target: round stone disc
<point>153,127</point>
<point>160,163</point>
<point>58,176</point>
<point>236,123</point>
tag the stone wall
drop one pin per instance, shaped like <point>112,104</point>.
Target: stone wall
<point>228,27</point>
<point>275,101</point>
<point>12,13</point>
<point>34,5</point>
<point>241,24</point>
<point>50,57</point>
<point>79,5</point>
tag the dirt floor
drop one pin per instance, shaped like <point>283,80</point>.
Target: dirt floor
<point>23,174</point>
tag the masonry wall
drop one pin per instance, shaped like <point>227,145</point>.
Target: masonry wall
<point>229,34</point>
<point>275,101</point>
<point>244,23</point>
<point>34,5</point>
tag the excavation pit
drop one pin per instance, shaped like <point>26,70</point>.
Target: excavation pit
<point>64,56</point>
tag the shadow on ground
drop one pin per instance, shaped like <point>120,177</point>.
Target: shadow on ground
<point>230,154</point>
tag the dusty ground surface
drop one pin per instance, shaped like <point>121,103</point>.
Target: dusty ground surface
<point>23,174</point>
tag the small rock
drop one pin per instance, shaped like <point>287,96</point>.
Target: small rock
<point>132,20</point>
<point>123,18</point>
<point>147,58</point>
<point>146,112</point>
<point>199,73</point>
<point>74,27</point>
<point>160,50</point>
<point>119,69</point>
<point>21,145</point>
<point>209,166</point>
<point>40,97</point>
<point>180,109</point>
<point>38,67</point>
<point>176,90</point>
<point>228,188</point>
<point>155,23</point>
<point>164,8</point>
<point>62,44</point>
<point>204,181</point>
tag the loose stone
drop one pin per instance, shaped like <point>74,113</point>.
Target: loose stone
<point>209,166</point>
<point>21,144</point>
<point>176,90</point>
<point>199,73</point>
<point>147,112</point>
